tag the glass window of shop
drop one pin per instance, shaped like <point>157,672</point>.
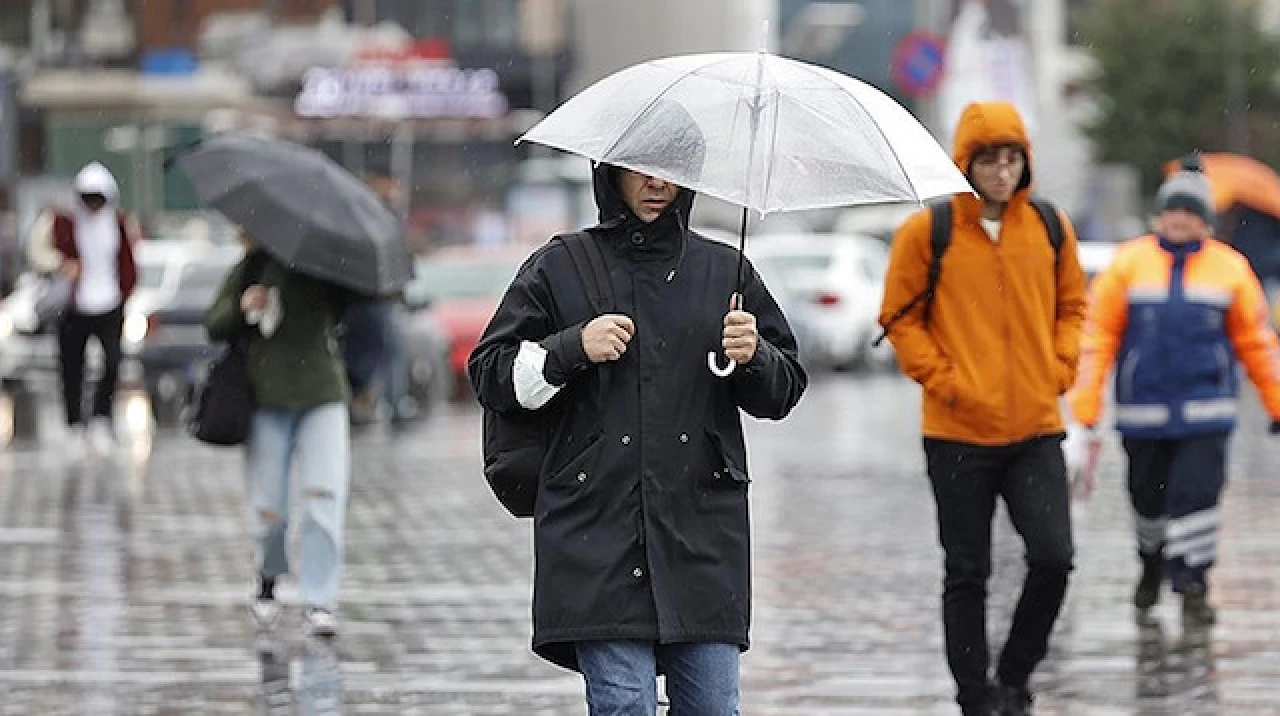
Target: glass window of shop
<point>486,24</point>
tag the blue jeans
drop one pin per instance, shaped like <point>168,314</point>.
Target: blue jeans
<point>621,677</point>
<point>319,441</point>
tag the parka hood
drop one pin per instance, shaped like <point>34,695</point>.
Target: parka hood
<point>97,179</point>
<point>986,124</point>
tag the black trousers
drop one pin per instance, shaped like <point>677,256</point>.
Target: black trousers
<point>74,332</point>
<point>967,479</point>
<point>1175,486</point>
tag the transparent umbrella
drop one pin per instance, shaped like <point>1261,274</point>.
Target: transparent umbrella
<point>765,132</point>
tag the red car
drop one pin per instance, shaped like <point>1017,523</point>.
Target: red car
<point>461,288</point>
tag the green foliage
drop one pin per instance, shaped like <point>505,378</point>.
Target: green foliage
<point>1162,80</point>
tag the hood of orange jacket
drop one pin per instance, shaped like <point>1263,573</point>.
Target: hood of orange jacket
<point>990,124</point>
<point>1004,335</point>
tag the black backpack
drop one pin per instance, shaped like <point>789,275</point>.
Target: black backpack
<point>515,444</point>
<point>219,408</point>
<point>940,239</point>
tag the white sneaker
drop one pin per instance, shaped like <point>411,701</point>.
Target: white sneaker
<point>73,445</point>
<point>101,439</point>
<point>321,623</point>
<point>266,612</point>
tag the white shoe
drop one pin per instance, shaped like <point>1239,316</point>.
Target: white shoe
<point>73,446</point>
<point>101,439</point>
<point>266,612</point>
<point>321,623</point>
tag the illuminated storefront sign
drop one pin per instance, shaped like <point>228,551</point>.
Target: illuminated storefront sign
<point>417,90</point>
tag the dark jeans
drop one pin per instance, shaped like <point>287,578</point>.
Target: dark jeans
<point>1175,486</point>
<point>74,332</point>
<point>1031,476</point>
<point>702,678</point>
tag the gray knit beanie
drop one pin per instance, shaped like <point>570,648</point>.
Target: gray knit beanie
<point>1186,189</point>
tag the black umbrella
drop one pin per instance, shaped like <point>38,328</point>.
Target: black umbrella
<point>302,208</point>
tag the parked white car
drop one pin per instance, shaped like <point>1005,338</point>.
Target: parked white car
<point>839,279</point>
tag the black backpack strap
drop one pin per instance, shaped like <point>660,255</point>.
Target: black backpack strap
<point>1052,221</point>
<point>939,240</point>
<point>589,262</point>
<point>593,273</point>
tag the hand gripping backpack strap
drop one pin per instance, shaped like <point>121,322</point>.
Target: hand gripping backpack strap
<point>593,273</point>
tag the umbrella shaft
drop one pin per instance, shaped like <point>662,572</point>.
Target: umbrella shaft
<point>742,256</point>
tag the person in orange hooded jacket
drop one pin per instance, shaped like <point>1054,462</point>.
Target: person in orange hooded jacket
<point>1176,310</point>
<point>994,349</point>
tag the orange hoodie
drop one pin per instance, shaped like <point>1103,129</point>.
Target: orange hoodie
<point>1004,336</point>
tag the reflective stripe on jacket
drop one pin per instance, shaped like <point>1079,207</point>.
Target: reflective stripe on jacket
<point>1174,320</point>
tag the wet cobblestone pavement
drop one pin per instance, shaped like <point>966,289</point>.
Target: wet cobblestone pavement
<point>122,587</point>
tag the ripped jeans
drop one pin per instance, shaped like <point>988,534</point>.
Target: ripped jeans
<point>319,440</point>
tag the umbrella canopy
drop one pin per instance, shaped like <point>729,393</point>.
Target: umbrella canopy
<point>1237,179</point>
<point>758,130</point>
<point>303,209</point>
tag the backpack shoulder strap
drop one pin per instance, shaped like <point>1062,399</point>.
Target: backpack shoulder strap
<point>939,241</point>
<point>592,271</point>
<point>1052,221</point>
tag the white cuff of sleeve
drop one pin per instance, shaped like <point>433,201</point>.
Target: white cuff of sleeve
<point>532,389</point>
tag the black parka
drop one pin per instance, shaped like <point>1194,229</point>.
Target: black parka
<point>641,527</point>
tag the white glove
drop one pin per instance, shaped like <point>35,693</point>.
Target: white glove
<point>1081,450</point>
<point>1076,447</point>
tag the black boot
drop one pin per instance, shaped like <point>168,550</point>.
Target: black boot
<point>1015,701</point>
<point>1196,610</point>
<point>1148,591</point>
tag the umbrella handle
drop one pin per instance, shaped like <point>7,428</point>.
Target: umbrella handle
<point>713,364</point>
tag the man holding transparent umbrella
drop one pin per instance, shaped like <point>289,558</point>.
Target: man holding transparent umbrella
<point>641,531</point>
<point>639,505</point>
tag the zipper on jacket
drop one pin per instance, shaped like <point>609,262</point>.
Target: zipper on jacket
<point>1003,286</point>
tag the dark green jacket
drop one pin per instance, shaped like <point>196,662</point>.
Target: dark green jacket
<point>300,366</point>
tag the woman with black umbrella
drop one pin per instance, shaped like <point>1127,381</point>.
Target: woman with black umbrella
<point>301,416</point>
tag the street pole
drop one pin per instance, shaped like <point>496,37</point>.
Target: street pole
<point>1237,98</point>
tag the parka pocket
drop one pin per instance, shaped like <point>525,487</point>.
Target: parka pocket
<point>728,470</point>
<point>580,468</point>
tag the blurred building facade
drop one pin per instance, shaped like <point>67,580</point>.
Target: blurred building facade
<point>436,91</point>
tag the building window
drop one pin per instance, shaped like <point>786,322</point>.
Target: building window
<point>485,24</point>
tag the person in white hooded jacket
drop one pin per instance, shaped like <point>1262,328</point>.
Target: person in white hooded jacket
<point>92,245</point>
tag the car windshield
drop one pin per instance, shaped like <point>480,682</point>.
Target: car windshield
<point>435,280</point>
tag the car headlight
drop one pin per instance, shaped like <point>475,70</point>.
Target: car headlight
<point>136,326</point>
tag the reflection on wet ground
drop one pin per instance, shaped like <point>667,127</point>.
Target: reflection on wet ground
<point>302,678</point>
<point>123,585</point>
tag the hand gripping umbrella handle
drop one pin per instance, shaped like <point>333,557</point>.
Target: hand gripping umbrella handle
<point>713,364</point>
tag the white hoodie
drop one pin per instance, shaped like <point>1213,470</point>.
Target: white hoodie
<point>97,235</point>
